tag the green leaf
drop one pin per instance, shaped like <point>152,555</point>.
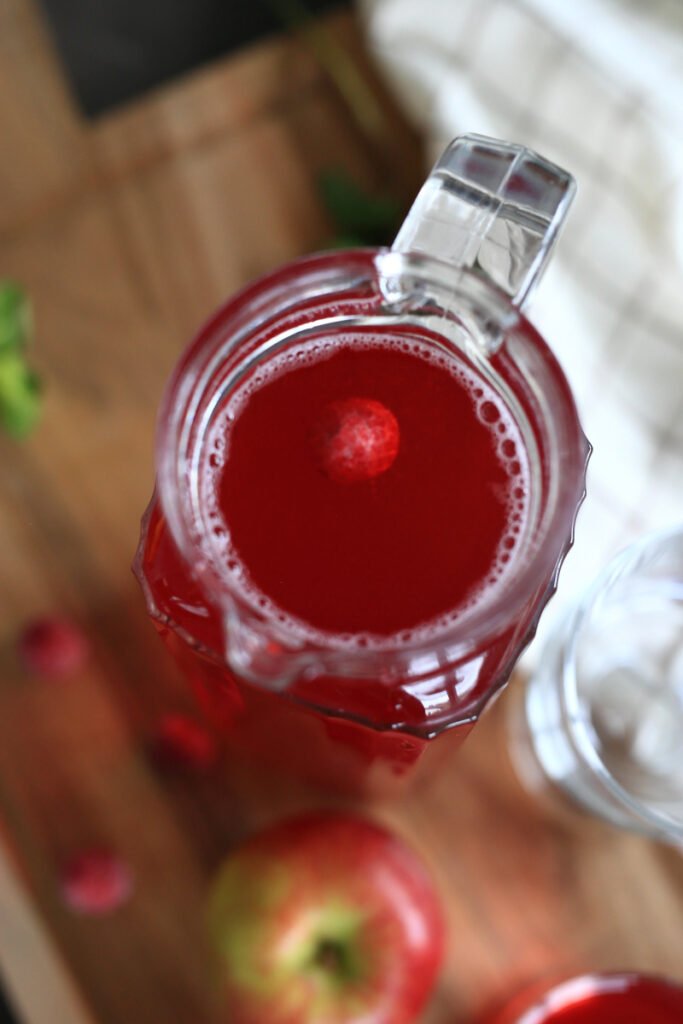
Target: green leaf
<point>345,242</point>
<point>370,218</point>
<point>20,398</point>
<point>15,317</point>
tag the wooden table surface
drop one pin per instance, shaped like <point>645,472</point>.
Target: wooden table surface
<point>127,232</point>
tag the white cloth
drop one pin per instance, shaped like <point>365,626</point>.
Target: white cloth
<point>597,87</point>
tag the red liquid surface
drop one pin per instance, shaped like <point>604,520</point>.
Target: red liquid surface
<point>416,541</point>
<point>615,999</point>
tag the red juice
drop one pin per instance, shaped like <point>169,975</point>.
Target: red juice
<point>603,999</point>
<point>391,605</point>
<point>339,557</point>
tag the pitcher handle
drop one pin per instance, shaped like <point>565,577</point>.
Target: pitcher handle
<point>493,207</point>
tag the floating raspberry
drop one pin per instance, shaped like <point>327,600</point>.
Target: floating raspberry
<point>95,881</point>
<point>181,743</point>
<point>53,647</point>
<point>355,439</point>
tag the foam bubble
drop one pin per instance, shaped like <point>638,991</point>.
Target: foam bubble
<point>490,411</point>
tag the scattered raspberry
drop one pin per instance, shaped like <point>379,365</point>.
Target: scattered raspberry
<point>95,882</point>
<point>53,647</point>
<point>355,439</point>
<point>182,743</point>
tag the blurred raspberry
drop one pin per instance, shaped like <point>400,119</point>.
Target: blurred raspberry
<point>95,881</point>
<point>355,439</point>
<point>181,743</point>
<point>53,647</point>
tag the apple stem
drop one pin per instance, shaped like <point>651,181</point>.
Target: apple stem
<point>330,955</point>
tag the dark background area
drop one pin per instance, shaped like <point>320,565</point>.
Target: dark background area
<point>113,50</point>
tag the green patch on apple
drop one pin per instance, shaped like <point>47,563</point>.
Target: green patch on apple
<point>331,951</point>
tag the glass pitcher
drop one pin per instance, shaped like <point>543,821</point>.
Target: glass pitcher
<point>249,570</point>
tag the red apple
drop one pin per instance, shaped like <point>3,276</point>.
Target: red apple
<point>325,919</point>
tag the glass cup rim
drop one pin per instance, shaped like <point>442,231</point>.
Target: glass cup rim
<point>651,821</point>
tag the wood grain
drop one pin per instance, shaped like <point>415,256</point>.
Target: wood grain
<point>127,232</point>
<point>42,143</point>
